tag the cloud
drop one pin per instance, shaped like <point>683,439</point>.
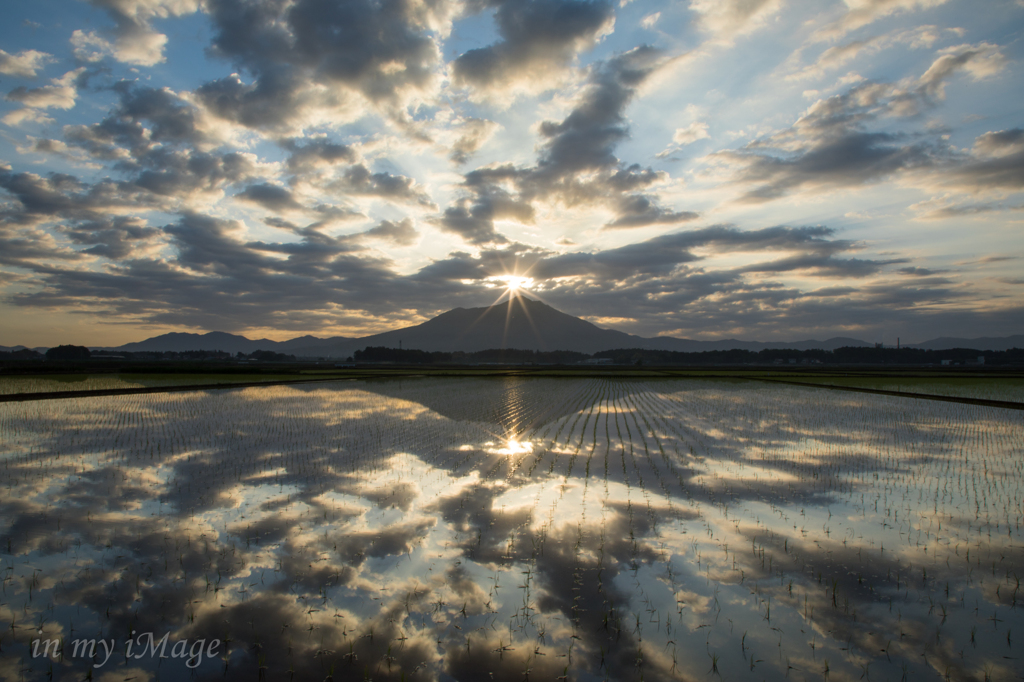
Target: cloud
<point>726,19</point>
<point>980,61</point>
<point>698,130</point>
<point>847,160</point>
<point>863,12</point>
<point>60,94</point>
<point>359,180</point>
<point>474,133</point>
<point>474,221</point>
<point>652,258</point>
<point>587,137</point>
<point>1000,143</point>
<point>539,40</point>
<point>270,197</point>
<point>638,210</point>
<point>314,59</point>
<point>134,39</point>
<point>650,20</point>
<point>576,163</point>
<point>114,238</point>
<point>400,233</point>
<point>316,154</point>
<point>64,196</point>
<point>24,64</point>
<point>829,147</point>
<point>836,56</point>
<point>145,122</point>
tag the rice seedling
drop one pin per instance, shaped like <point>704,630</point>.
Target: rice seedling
<point>534,528</point>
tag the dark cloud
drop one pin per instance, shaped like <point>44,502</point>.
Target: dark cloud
<point>382,51</point>
<point>638,210</point>
<point>270,197</point>
<point>850,159</point>
<point>359,180</point>
<point>473,218</point>
<point>587,137</point>
<point>142,120</point>
<point>113,238</point>
<point>577,164</point>
<point>65,196</point>
<point>830,146</point>
<point>539,40</point>
<point>317,152</point>
<point>1000,143</point>
<point>825,265</point>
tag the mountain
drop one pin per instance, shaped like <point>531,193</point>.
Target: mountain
<point>11,349</point>
<point>231,343</point>
<point>520,323</point>
<point>983,343</point>
<point>691,346</point>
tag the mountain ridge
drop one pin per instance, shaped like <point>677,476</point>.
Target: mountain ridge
<point>522,323</point>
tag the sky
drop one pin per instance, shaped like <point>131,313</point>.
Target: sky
<point>756,169</point>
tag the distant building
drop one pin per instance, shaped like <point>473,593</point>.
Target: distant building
<point>597,361</point>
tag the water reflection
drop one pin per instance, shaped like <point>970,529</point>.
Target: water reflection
<point>507,529</point>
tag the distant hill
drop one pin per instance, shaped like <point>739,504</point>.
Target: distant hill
<point>983,343</point>
<point>230,343</point>
<point>522,323</point>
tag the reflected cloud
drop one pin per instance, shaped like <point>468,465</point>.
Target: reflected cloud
<point>430,528</point>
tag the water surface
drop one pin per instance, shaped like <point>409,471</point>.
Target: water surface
<point>438,529</point>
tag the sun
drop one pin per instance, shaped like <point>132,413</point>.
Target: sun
<point>514,283</point>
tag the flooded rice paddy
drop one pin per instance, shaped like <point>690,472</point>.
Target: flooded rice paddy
<point>511,529</point>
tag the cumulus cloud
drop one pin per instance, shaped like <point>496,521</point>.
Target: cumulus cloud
<point>576,163</point>
<point>132,39</point>
<point>114,238</point>
<point>830,145</point>
<point>24,64</point>
<point>271,197</point>
<point>314,59</point>
<point>315,154</point>
<point>60,94</point>
<point>358,180</point>
<point>539,40</point>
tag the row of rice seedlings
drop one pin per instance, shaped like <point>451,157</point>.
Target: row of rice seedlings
<point>297,453</point>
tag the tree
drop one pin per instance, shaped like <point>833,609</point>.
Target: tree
<point>68,353</point>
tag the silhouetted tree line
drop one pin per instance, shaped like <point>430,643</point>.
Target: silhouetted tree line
<point>410,356</point>
<point>83,353</point>
<point>68,353</point>
<point>848,355</point>
<point>265,356</point>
